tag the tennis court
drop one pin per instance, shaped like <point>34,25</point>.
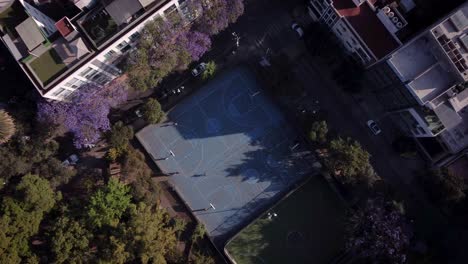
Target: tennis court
<point>228,150</point>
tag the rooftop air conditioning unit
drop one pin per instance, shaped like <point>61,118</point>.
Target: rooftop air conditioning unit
<point>386,9</point>
<point>390,14</point>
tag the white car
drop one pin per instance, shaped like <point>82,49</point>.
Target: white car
<point>199,69</point>
<point>296,27</point>
<point>374,127</point>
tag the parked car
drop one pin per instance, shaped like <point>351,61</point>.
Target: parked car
<point>299,30</point>
<point>72,160</point>
<point>374,127</point>
<point>199,69</point>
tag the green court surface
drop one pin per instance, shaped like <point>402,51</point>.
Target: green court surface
<point>308,228</point>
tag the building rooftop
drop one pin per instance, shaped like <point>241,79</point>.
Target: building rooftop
<point>369,27</point>
<point>122,11</point>
<point>30,33</point>
<point>64,26</point>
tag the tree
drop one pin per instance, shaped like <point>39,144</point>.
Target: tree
<point>161,50</point>
<point>115,251</point>
<point>70,241</point>
<point>119,137</point>
<point>199,258</point>
<point>217,14</point>
<point>235,8</point>
<point>86,114</point>
<point>7,127</point>
<point>318,132</point>
<point>209,71</point>
<point>151,235</point>
<point>56,173</point>
<point>350,161</point>
<point>35,193</point>
<point>378,232</point>
<point>108,204</point>
<point>152,112</point>
<point>444,187</point>
<point>198,43</point>
<point>198,232</point>
<point>21,216</point>
<point>214,18</point>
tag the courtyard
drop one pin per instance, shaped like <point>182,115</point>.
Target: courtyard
<point>229,152</point>
<point>305,227</point>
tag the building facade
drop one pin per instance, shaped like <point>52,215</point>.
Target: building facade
<point>366,28</point>
<point>86,48</point>
<point>423,86</point>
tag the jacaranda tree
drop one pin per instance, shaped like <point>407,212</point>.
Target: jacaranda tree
<point>165,46</point>
<point>378,232</point>
<point>86,113</point>
<point>216,15</point>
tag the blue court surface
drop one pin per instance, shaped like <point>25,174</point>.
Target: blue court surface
<point>227,145</point>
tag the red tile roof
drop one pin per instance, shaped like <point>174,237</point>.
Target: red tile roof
<point>369,27</point>
<point>64,26</point>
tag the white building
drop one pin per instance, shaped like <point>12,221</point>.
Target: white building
<point>433,69</point>
<point>88,47</point>
<point>366,28</point>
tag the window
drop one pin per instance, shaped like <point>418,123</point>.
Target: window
<point>109,55</point>
<point>134,37</point>
<point>83,73</point>
<point>91,74</point>
<point>58,92</point>
<point>123,46</point>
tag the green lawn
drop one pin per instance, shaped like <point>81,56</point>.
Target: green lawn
<point>308,229</point>
<point>47,66</point>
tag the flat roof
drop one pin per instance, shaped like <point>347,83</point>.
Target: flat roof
<point>64,26</point>
<point>122,10</point>
<point>413,59</point>
<point>30,33</point>
<point>368,26</point>
<point>432,83</point>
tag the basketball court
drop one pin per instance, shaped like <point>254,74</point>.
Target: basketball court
<point>228,151</point>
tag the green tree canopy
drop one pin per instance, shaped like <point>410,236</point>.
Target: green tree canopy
<point>152,111</point>
<point>119,136</point>
<point>151,235</point>
<point>350,161</point>
<point>70,241</point>
<point>21,216</point>
<point>108,204</point>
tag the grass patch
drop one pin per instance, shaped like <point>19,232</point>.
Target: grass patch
<point>309,228</point>
<point>47,66</point>
<point>12,17</point>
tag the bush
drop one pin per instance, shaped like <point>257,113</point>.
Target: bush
<point>318,132</point>
<point>152,112</point>
<point>209,71</point>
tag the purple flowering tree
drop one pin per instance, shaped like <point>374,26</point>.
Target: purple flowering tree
<point>235,8</point>
<point>198,43</point>
<point>378,232</point>
<point>216,15</point>
<point>86,113</point>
